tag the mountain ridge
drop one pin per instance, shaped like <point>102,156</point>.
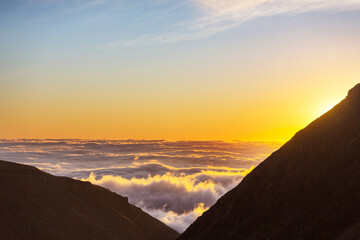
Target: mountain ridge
<point>308,189</point>
<point>38,205</point>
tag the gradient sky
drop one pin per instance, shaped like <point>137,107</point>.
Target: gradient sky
<point>167,69</point>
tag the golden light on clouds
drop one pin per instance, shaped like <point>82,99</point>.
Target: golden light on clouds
<point>199,189</point>
<point>174,181</point>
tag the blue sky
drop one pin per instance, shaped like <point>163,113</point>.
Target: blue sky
<point>110,23</point>
<point>184,66</point>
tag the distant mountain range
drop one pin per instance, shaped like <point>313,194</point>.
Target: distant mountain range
<point>36,205</point>
<point>308,189</point>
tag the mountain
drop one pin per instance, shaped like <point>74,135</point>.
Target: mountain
<point>308,189</point>
<point>37,205</point>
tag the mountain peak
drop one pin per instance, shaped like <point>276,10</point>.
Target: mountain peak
<point>308,189</point>
<point>355,91</point>
<point>37,205</point>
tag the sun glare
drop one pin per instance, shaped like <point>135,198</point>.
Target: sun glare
<point>326,108</point>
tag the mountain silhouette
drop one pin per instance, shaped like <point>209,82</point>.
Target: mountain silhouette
<point>308,189</point>
<point>36,205</point>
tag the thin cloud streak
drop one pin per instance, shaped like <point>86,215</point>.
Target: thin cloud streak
<point>204,17</point>
<point>217,16</point>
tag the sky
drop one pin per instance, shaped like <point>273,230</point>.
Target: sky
<point>174,181</point>
<point>178,70</point>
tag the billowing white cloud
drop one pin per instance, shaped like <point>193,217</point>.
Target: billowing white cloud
<point>174,198</point>
<point>177,221</point>
<point>177,192</point>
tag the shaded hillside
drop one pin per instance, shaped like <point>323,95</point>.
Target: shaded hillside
<point>37,205</point>
<point>308,189</point>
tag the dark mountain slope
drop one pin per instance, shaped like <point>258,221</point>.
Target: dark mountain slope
<point>37,205</point>
<point>308,189</point>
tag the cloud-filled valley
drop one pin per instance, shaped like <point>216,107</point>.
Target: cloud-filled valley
<point>172,181</point>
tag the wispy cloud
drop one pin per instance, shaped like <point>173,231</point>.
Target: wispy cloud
<point>168,21</point>
<point>216,16</point>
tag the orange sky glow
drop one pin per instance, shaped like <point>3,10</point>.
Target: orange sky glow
<point>262,78</point>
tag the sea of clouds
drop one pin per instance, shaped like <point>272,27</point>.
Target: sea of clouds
<point>174,181</point>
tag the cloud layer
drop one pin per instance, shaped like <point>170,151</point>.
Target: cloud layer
<point>173,181</point>
<point>175,198</point>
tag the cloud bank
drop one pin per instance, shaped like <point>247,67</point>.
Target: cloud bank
<point>172,181</point>
<point>175,199</point>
